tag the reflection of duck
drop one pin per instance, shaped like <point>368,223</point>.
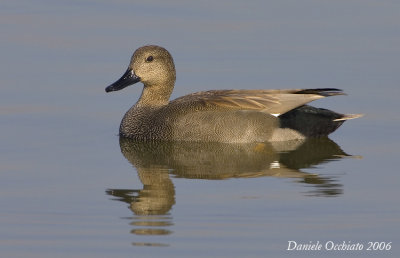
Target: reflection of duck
<point>155,161</point>
<point>226,160</point>
<point>151,204</point>
<point>218,115</point>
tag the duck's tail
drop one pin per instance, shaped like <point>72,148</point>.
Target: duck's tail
<point>314,122</point>
<point>348,117</point>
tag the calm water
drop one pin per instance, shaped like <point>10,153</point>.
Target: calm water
<point>69,187</point>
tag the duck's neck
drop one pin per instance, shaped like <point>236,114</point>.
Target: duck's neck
<point>155,95</point>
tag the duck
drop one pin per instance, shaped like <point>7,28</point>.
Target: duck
<point>228,116</point>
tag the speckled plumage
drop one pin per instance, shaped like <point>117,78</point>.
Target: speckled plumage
<point>218,115</point>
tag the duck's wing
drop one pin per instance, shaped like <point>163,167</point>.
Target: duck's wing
<point>275,102</point>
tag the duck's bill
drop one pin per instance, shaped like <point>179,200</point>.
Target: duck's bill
<point>128,78</point>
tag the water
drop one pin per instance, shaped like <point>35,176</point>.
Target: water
<point>67,190</point>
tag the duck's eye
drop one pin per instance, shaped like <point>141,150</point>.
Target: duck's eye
<point>149,59</point>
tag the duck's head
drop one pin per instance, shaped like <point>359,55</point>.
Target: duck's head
<point>151,65</point>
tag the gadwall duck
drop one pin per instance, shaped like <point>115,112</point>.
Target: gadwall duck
<point>218,115</point>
